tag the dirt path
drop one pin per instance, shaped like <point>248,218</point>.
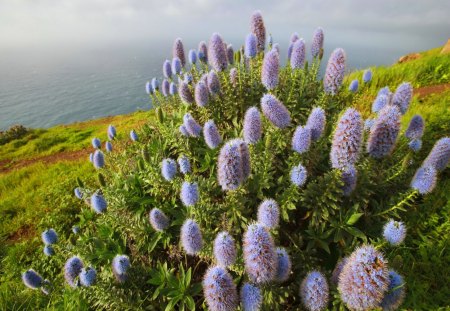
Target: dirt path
<point>9,165</point>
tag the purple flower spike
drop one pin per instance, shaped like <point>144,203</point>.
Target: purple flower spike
<point>158,220</point>
<point>134,136</point>
<point>32,279</point>
<point>98,203</point>
<point>439,155</point>
<point>192,57</point>
<point>347,139</point>
<point>167,69</point>
<point>72,270</point>
<point>165,87</point>
<point>203,52</point>
<point>213,83</point>
<point>96,143</point>
<point>224,249</point>
<point>111,132</point>
<point>424,180</point>
<point>394,232</point>
<point>269,214</point>
<point>148,88</point>
<point>185,93</point>
<point>314,291</point>
<point>316,123</point>
<point>380,102</point>
<point>257,27</point>
<point>250,45</point>
<point>120,266</point>
<point>252,126</point>
<point>270,70</point>
<point>298,175</point>
<point>367,76</point>
<point>193,128</point>
<point>183,130</point>
<point>353,87</point>
<point>317,42</point>
<point>173,89</point>
<point>169,169</point>
<point>233,76</point>
<point>334,74</point>
<point>349,177</point>
<point>364,279</point>
<point>298,54</point>
<point>284,265</point>
<point>191,237</point>
<point>155,84</point>
<point>275,111</point>
<point>251,297</point>
<point>217,55</point>
<point>395,293</point>
<point>98,159</point>
<point>185,165</point>
<point>201,94</point>
<point>260,256</point>
<point>233,164</point>
<point>189,193</point>
<point>301,140</point>
<point>178,51</point>
<point>415,128</point>
<point>230,54</point>
<point>211,134</point>
<point>402,96</point>
<point>384,132</point>
<point>219,290</point>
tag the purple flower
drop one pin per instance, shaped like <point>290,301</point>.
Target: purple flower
<point>394,232</point>
<point>48,250</point>
<point>276,47</point>
<point>169,169</point>
<point>415,128</point>
<point>334,74</point>
<point>201,94</point>
<point>79,193</point>
<point>284,265</point>
<point>252,126</point>
<point>384,91</point>
<point>120,266</point>
<point>88,276</point>
<point>72,270</point>
<point>75,229</point>
<point>32,279</point>
<point>347,139</point>
<point>185,93</point>
<point>148,88</point>
<point>364,279</point>
<point>134,135</point>
<point>173,89</point>
<point>167,69</point>
<point>260,256</point>
<point>233,164</point>
<point>49,236</point>
<point>213,83</point>
<point>269,214</point>
<point>349,178</point>
<point>250,45</point>
<point>165,87</point>
<point>384,132</point>
<point>338,269</point>
<point>191,237</point>
<point>217,55</point>
<point>192,57</point>
<point>301,140</point>
<point>189,193</point>
<point>183,130</point>
<point>353,86</point>
<point>298,54</point>
<point>111,132</point>
<point>294,37</point>
<point>98,159</point>
<point>317,42</point>
<point>91,157</point>
<point>424,180</point>
<point>258,29</point>
<point>185,166</point>
<point>155,84</point>
<point>314,291</point>
<point>98,203</point>
<point>368,124</point>
<point>275,111</point>
<point>402,96</point>
<point>211,134</point>
<point>298,175</point>
<point>439,155</point>
<point>188,78</point>
<point>178,51</point>
<point>203,52</point>
<point>230,54</point>
<point>224,249</point>
<point>233,76</point>
<point>251,297</point>
<point>193,128</point>
<point>367,76</point>
<point>415,145</point>
<point>176,65</point>
<point>395,293</point>
<point>219,290</point>
<point>316,123</point>
<point>380,102</point>
<point>96,143</point>
<point>158,220</point>
<point>270,70</point>
<point>108,146</point>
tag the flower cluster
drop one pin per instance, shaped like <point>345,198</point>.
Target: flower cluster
<point>233,164</point>
<point>334,73</point>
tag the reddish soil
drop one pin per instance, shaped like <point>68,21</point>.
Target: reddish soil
<point>24,233</point>
<point>432,89</point>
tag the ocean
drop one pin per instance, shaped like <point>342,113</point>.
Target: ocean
<point>40,89</point>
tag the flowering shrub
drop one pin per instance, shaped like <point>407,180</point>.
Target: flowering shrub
<point>279,200</point>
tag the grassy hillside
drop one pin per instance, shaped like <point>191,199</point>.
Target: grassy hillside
<point>38,175</point>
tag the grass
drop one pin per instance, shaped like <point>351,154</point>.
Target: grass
<point>39,196</point>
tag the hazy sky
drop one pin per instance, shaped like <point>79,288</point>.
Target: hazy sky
<point>62,24</point>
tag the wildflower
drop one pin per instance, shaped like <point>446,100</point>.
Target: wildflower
<point>415,128</point>
<point>194,129</point>
<point>48,250</point>
<point>275,111</point>
<point>72,270</point>
<point>173,89</point>
<point>96,143</point>
<point>158,220</point>
<point>168,169</point>
<point>349,177</point>
<point>284,265</point>
<point>269,214</point>
<point>185,166</point>
<point>334,73</point>
<point>155,84</point>
<point>233,76</point>
<point>251,298</point>
<point>439,155</point>
<point>134,136</point>
<point>316,123</point>
<point>317,42</point>
<point>148,88</point>
<point>203,52</point>
<point>252,125</point>
<point>395,293</point>
<point>167,69</point>
<point>176,65</point>
<point>189,193</point>
<point>250,45</point>
<point>353,86</point>
<point>213,83</point>
<point>32,279</point>
<point>192,57</point>
<point>185,93</point>
<point>380,102</point>
<point>402,96</point>
<point>367,76</point>
<point>298,175</point>
<point>270,70</point>
<point>224,249</point>
<point>424,180</point>
<point>415,145</point>
<point>191,237</point>
<point>178,51</point>
<point>338,269</point>
<point>394,232</point>
<point>314,291</point>
<point>230,54</point>
<point>384,132</point>
<point>219,290</point>
<point>211,134</point>
<point>120,266</point>
<point>88,276</point>
<point>111,132</point>
<point>98,203</point>
<point>49,236</point>
<point>98,159</point>
<point>233,164</point>
<point>258,29</point>
<point>298,54</point>
<point>78,193</point>
<point>108,146</point>
<point>165,86</point>
<point>301,140</point>
<point>217,55</point>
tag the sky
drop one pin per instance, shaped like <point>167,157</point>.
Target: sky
<point>59,25</point>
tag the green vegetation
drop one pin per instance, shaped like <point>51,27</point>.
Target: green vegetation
<point>39,196</point>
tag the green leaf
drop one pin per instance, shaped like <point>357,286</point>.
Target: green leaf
<point>354,218</point>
